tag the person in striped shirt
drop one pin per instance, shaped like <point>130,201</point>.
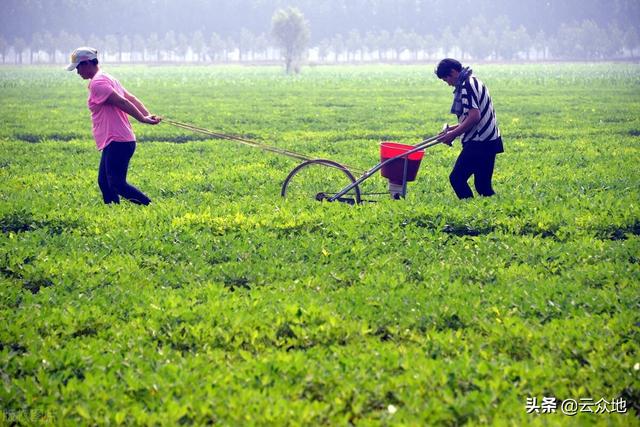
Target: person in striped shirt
<point>477,128</point>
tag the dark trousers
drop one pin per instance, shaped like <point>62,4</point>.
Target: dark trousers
<point>112,175</point>
<point>476,160</point>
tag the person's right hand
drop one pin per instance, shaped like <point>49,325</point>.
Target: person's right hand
<point>447,138</point>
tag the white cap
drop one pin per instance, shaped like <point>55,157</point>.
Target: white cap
<point>82,54</point>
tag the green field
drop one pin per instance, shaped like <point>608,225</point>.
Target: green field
<point>223,303</point>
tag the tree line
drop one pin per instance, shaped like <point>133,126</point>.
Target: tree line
<point>482,40</point>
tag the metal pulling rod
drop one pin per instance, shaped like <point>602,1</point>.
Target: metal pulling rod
<point>255,144</point>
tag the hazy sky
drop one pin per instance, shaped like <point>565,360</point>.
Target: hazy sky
<point>326,17</point>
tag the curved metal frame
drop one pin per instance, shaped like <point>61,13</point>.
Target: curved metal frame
<point>321,196</point>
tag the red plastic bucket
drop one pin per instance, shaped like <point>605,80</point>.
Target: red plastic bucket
<point>393,171</point>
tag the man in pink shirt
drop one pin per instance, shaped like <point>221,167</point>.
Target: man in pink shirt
<point>109,104</point>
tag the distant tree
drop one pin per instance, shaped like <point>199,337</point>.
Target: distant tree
<point>384,44</point>
<point>96,42</point>
<point>592,38</point>
<point>323,49</point>
<point>564,44</point>
<point>631,40</point>
<point>153,44</point>
<point>555,45</point>
<point>580,41</point>
<point>337,46</point>
<point>399,42</point>
<point>513,42</point>
<point>125,46</point>
<point>560,42</point>
<point>524,41</point>
<point>216,47</point>
<point>261,45</point>
<point>447,41</point>
<point>477,38</point>
<point>614,42</point>
<point>169,44</point>
<point>501,25</point>
<point>291,32</point>
<point>492,39</point>
<point>49,45</point>
<point>371,43</point>
<point>182,46</point>
<point>414,43</point>
<point>230,46</point>
<point>61,42</point>
<point>112,46</point>
<point>429,45</point>
<point>4,49</point>
<point>353,44</point>
<point>572,43</point>
<point>245,44</point>
<point>67,43</point>
<point>540,43</point>
<point>469,35</point>
<point>37,44</point>
<point>199,46</point>
<point>140,46</point>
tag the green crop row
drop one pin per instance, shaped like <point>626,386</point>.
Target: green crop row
<point>224,303</point>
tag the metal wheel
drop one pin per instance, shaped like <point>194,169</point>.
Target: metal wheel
<point>320,179</point>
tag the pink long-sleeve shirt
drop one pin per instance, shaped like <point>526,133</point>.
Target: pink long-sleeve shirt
<point>109,122</point>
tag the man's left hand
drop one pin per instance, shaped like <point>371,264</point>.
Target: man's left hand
<point>152,119</point>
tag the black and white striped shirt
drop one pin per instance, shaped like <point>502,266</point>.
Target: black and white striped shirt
<point>476,95</point>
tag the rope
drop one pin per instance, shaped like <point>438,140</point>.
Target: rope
<point>255,144</point>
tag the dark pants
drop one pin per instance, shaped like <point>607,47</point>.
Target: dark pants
<point>112,176</point>
<point>477,160</point>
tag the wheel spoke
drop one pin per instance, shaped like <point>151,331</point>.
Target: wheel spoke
<point>320,180</point>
